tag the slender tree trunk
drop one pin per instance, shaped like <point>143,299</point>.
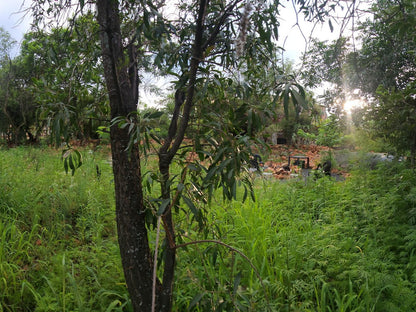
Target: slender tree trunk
<point>121,79</point>
<point>169,149</point>
<point>170,252</point>
<point>131,227</point>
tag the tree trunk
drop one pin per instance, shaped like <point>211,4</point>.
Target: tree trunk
<point>121,80</point>
<point>131,228</point>
<point>170,252</point>
<point>168,150</point>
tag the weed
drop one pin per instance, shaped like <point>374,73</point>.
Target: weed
<point>320,246</point>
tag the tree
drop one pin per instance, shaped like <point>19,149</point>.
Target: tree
<point>57,85</point>
<point>325,64</point>
<point>120,70</point>
<point>393,119</point>
<point>17,113</point>
<point>387,55</point>
<point>122,85</point>
<point>384,70</point>
<point>6,44</point>
<point>66,79</point>
<point>197,49</point>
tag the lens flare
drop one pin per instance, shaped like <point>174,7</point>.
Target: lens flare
<point>349,105</point>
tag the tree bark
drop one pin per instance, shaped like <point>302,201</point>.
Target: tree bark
<point>169,149</point>
<point>131,227</point>
<point>121,80</point>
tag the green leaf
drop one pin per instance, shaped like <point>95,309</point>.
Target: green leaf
<point>71,163</point>
<point>163,205</point>
<point>131,127</point>
<point>219,155</point>
<point>237,281</point>
<point>234,189</point>
<point>245,194</point>
<point>123,125</point>
<point>299,99</point>
<point>113,305</point>
<point>195,301</point>
<point>180,187</point>
<point>155,115</point>
<point>191,205</point>
<point>66,165</point>
<point>72,160</point>
<point>211,172</point>
<point>193,167</point>
<point>79,158</point>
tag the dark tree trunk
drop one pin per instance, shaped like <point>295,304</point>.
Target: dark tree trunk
<point>169,149</point>
<point>131,228</point>
<point>170,252</point>
<point>121,79</point>
<point>120,70</point>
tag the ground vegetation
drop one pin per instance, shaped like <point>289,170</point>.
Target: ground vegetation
<point>321,245</point>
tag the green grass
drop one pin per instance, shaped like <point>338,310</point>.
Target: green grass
<point>59,249</point>
<point>320,246</point>
<point>324,246</point>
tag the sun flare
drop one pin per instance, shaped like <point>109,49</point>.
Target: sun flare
<point>349,105</point>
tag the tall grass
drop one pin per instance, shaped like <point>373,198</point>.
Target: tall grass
<point>58,250</point>
<point>323,246</point>
<point>319,246</point>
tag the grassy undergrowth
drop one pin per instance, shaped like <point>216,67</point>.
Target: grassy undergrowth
<point>58,248</point>
<point>319,246</point>
<point>323,246</point>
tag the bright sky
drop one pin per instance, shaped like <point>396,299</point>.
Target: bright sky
<point>290,36</point>
<point>17,24</point>
<point>13,22</point>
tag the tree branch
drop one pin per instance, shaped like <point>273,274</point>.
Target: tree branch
<point>195,60</point>
<point>220,23</point>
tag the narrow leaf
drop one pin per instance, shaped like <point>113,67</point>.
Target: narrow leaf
<point>195,301</point>
<point>331,27</point>
<point>180,187</point>
<point>163,205</point>
<point>66,165</point>
<point>237,281</point>
<point>191,205</point>
<point>155,115</point>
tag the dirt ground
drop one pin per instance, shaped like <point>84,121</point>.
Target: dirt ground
<point>276,162</point>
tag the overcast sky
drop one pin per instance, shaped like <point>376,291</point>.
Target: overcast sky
<point>12,21</point>
<point>17,24</point>
<point>290,36</point>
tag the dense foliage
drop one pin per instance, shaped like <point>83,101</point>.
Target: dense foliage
<point>380,72</point>
<point>319,246</point>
